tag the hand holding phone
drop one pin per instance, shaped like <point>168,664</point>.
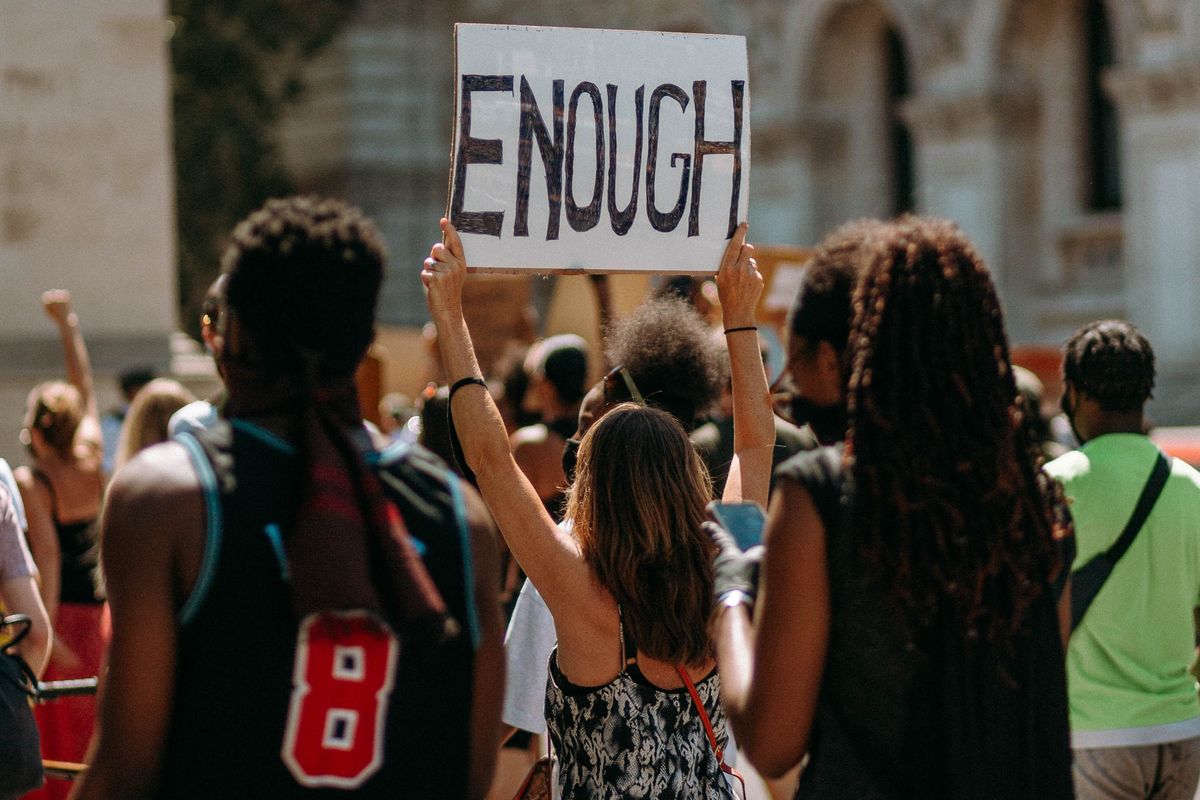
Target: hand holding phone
<point>744,521</point>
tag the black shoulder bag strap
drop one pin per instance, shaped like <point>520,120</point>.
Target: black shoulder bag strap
<point>1088,580</point>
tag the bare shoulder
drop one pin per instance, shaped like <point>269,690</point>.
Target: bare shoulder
<point>23,475</point>
<point>34,493</point>
<point>157,490</point>
<point>158,474</point>
<point>792,518</point>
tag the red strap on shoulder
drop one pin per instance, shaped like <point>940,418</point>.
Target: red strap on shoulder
<point>708,728</point>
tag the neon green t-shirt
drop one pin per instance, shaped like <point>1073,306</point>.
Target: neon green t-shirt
<point>1127,665</point>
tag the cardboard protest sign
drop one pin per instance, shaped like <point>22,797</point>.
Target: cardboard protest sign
<point>598,150</point>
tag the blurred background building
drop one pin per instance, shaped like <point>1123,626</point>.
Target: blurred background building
<point>1063,135</point>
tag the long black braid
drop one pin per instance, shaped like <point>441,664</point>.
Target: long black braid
<point>951,512</point>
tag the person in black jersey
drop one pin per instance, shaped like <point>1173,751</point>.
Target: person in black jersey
<point>296,613</point>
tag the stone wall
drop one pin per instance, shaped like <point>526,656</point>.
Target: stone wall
<point>997,110</point>
<point>86,189</point>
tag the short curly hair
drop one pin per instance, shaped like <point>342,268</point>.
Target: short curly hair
<point>670,354</point>
<point>821,311</point>
<point>304,277</point>
<point>1111,362</point>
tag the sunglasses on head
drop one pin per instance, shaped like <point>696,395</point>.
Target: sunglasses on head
<point>619,387</point>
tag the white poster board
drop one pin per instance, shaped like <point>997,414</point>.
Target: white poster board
<point>598,150</point>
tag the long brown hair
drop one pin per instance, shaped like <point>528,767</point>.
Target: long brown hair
<point>150,412</point>
<point>950,510</point>
<point>637,504</point>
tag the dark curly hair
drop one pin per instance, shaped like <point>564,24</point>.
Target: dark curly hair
<point>669,352</point>
<point>821,310</point>
<point>1112,362</point>
<point>304,277</point>
<point>950,512</point>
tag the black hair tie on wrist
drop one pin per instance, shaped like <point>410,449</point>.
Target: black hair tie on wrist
<point>467,381</point>
<point>455,445</point>
<point>743,328</point>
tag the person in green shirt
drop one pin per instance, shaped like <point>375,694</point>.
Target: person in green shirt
<point>1135,719</point>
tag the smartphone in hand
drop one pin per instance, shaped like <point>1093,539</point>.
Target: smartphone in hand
<point>744,521</point>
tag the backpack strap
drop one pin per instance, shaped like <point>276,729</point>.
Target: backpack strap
<point>1088,580</point>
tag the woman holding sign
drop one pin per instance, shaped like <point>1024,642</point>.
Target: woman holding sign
<point>632,686</point>
<point>905,634</point>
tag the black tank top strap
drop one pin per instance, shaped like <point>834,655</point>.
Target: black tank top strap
<point>44,479</point>
<point>629,651</point>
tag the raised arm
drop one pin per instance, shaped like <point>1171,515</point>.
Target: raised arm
<point>549,557</point>
<point>771,665</point>
<point>604,311</point>
<point>57,304</point>
<point>739,286</point>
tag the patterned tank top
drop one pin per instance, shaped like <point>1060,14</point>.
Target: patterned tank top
<point>631,739</point>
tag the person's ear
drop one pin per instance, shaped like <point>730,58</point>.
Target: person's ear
<point>829,361</point>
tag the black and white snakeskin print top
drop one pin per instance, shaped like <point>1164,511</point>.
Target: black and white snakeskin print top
<point>631,739</point>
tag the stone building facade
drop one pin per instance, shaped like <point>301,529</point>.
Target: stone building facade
<point>86,191</point>
<point>1063,135</point>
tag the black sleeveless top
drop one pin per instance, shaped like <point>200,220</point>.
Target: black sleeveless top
<point>251,719</point>
<point>79,553</point>
<point>935,719</point>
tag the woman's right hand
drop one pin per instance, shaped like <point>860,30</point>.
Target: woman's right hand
<point>57,305</point>
<point>444,273</point>
<point>739,283</point>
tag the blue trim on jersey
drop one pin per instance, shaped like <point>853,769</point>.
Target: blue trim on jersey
<point>275,537</point>
<point>388,455</point>
<point>464,535</point>
<point>264,436</point>
<point>213,529</point>
<point>418,545</point>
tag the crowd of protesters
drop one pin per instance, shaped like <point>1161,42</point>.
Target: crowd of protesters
<point>281,600</point>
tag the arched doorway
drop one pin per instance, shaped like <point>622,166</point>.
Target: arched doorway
<point>862,156</point>
<point>1067,188</point>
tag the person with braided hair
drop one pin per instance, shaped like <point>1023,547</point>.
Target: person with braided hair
<point>905,634</point>
<point>296,612</point>
<point>1135,719</point>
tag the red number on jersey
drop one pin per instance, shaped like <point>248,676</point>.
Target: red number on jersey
<point>341,684</point>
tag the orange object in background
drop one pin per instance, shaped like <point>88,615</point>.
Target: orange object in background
<point>1045,362</point>
<point>1182,442</point>
<point>781,267</point>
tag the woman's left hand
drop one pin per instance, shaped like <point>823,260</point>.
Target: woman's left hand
<point>733,569</point>
<point>444,273</point>
<point>739,283</point>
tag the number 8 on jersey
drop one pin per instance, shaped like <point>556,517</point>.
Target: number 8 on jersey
<point>341,684</point>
